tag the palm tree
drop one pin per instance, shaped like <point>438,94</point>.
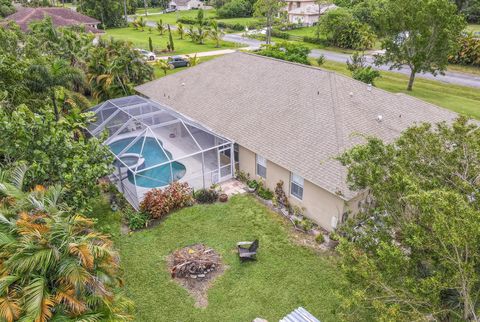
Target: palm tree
<point>55,266</point>
<point>193,61</point>
<point>163,65</point>
<point>202,34</point>
<point>160,27</point>
<point>48,78</point>
<point>180,30</point>
<point>141,23</point>
<point>216,33</point>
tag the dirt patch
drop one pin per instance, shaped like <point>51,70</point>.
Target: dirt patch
<point>197,285</point>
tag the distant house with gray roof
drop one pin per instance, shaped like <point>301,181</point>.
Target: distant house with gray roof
<point>290,121</point>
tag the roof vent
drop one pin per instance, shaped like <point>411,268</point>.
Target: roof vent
<point>369,88</point>
<point>379,118</point>
<point>351,94</point>
<point>183,84</point>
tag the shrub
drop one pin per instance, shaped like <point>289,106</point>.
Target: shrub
<point>345,31</point>
<point>315,40</point>
<point>287,51</point>
<point>206,196</point>
<point>252,184</point>
<point>321,60</point>
<point>135,220</point>
<point>468,53</point>
<point>242,176</point>
<point>280,196</point>
<point>158,203</point>
<point>320,239</point>
<point>235,9</point>
<point>280,34</point>
<point>265,193</point>
<point>360,71</point>
<point>334,236</point>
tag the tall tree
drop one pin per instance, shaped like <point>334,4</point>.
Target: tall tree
<point>56,151</point>
<point>268,9</point>
<point>109,12</point>
<point>419,34</point>
<point>412,254</point>
<point>49,77</point>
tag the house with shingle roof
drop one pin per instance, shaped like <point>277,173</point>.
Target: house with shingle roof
<point>61,17</point>
<point>290,122</point>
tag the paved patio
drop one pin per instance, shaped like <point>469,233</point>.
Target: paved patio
<point>233,186</point>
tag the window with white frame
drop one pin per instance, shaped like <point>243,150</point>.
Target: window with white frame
<point>261,166</point>
<point>296,186</point>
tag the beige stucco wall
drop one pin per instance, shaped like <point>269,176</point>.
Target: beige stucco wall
<point>321,205</point>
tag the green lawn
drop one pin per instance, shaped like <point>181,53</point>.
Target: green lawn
<point>473,28</point>
<point>461,99</point>
<point>285,276</point>
<point>242,21</point>
<point>185,46</point>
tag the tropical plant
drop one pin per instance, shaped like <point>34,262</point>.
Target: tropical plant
<point>180,30</point>
<point>215,33</point>
<point>193,60</point>
<point>163,65</point>
<point>55,267</point>
<point>135,220</point>
<point>49,77</point>
<point>160,27</point>
<point>114,68</point>
<point>468,53</point>
<point>158,203</point>
<point>140,23</point>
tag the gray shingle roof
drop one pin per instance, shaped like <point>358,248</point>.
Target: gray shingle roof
<point>297,116</point>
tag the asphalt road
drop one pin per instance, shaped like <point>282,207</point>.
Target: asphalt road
<point>449,77</point>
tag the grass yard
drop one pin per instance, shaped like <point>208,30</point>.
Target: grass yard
<point>473,28</point>
<point>242,21</point>
<point>185,46</point>
<point>284,277</point>
<point>461,99</point>
<point>159,73</point>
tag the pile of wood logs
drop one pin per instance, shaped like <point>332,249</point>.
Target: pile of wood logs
<point>194,262</point>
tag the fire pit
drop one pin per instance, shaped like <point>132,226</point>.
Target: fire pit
<point>194,262</point>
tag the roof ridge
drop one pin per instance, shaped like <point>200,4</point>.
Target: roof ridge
<point>338,121</point>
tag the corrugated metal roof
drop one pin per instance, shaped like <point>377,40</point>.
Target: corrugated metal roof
<point>300,315</point>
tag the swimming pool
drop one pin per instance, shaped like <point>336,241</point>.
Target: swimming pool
<point>153,155</point>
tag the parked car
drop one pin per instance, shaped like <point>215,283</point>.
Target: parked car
<point>170,10</point>
<point>148,55</point>
<point>177,61</point>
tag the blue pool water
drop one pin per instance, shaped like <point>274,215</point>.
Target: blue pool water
<point>153,155</point>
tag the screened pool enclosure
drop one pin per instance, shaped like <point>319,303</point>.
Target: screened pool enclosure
<point>154,145</point>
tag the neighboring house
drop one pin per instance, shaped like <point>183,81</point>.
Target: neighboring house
<point>186,4</point>
<point>61,17</point>
<point>306,12</point>
<point>290,121</point>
